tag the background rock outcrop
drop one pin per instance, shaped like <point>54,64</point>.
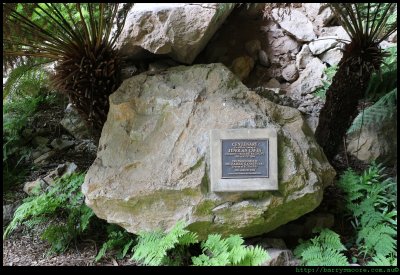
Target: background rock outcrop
<point>178,30</point>
<point>152,165</point>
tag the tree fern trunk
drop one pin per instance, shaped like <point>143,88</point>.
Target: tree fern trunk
<point>347,88</point>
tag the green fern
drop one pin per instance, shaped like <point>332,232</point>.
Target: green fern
<point>324,249</point>
<point>152,247</point>
<point>64,197</point>
<point>385,108</point>
<point>23,91</point>
<point>118,239</point>
<point>377,239</point>
<point>329,74</point>
<point>380,260</point>
<point>32,207</point>
<point>27,79</point>
<point>229,251</point>
<point>372,201</point>
<point>159,248</point>
<point>382,89</point>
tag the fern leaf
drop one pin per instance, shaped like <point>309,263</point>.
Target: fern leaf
<point>188,238</point>
<point>25,80</point>
<point>324,249</point>
<point>152,247</point>
<point>234,241</point>
<point>102,252</point>
<point>256,256</point>
<point>380,260</point>
<point>383,109</point>
<point>125,249</point>
<point>237,255</point>
<point>229,251</point>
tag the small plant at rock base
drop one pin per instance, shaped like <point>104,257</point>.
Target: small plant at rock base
<point>230,251</point>
<point>159,248</point>
<point>63,199</point>
<point>152,247</point>
<point>372,201</point>
<point>324,249</point>
<point>329,74</point>
<point>118,239</point>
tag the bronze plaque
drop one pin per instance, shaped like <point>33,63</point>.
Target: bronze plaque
<point>244,158</point>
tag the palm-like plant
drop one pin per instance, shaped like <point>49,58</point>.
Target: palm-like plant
<point>368,24</point>
<point>81,38</point>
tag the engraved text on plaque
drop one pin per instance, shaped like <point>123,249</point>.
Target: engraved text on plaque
<point>244,158</point>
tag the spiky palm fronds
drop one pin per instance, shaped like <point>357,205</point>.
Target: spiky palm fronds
<point>81,38</point>
<point>367,24</point>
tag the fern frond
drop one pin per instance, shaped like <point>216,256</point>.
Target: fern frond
<point>385,108</point>
<point>378,240</point>
<point>65,196</point>
<point>188,239</point>
<point>234,241</point>
<point>25,80</point>
<point>60,236</point>
<point>117,238</point>
<point>230,251</point>
<point>238,255</point>
<point>254,256</point>
<point>375,211</point>
<point>324,249</point>
<point>380,260</point>
<point>215,244</point>
<point>152,247</point>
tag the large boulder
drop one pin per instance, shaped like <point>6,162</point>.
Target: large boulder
<point>179,30</point>
<point>153,162</point>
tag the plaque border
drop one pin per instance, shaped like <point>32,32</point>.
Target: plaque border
<point>219,184</point>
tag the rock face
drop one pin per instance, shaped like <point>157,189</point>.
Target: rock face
<point>242,66</point>
<point>179,30</point>
<point>152,167</point>
<point>290,73</point>
<point>332,57</point>
<point>304,57</point>
<point>295,23</point>
<point>322,45</point>
<point>310,79</point>
<point>8,212</point>
<point>377,142</point>
<point>74,124</point>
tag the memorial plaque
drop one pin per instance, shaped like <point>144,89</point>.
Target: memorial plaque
<point>243,160</point>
